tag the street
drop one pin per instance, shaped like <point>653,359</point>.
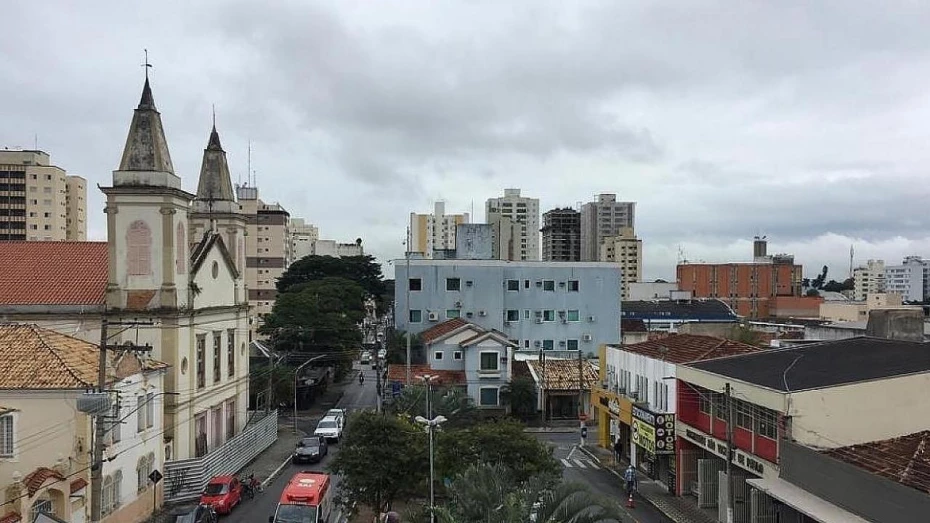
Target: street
<point>356,397</point>
<point>577,466</point>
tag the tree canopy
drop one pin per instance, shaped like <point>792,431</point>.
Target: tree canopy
<point>520,395</point>
<point>363,270</point>
<point>451,402</point>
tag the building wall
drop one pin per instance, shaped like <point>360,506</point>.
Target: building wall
<point>302,237</point>
<point>561,235</point>
<point>795,306</point>
<point>523,212</point>
<point>487,299</point>
<point>868,279</point>
<point>477,379</point>
<point>433,232</point>
<point>38,196</point>
<point>638,291</point>
<point>267,251</point>
<point>624,367</point>
<point>336,250</point>
<point>833,311</point>
<point>911,279</point>
<point>601,219</point>
<point>746,287</point>
<point>76,208</point>
<point>626,250</point>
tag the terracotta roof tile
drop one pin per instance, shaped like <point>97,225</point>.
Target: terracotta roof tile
<point>632,325</point>
<point>53,273</point>
<point>78,484</point>
<point>687,348</point>
<point>35,479</point>
<point>37,358</point>
<point>520,369</point>
<point>905,460</point>
<point>563,374</point>
<point>12,517</point>
<point>437,331</point>
<point>398,373</point>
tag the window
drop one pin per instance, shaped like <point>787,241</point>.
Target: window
<point>42,506</point>
<point>571,344</point>
<point>150,410</point>
<point>453,284</point>
<point>143,469</point>
<point>744,415</point>
<point>141,411</point>
<point>201,360</point>
<point>7,439</point>
<point>230,418</point>
<point>526,314</point>
<point>549,285</point>
<point>513,315</point>
<point>111,492</point>
<point>231,352</point>
<point>416,316</point>
<point>548,344</point>
<point>766,424</point>
<point>416,284</point>
<point>572,285</point>
<point>573,315</point>
<point>217,342</point>
<point>489,396</point>
<point>720,407</point>
<point>526,284</point>
<point>216,421</point>
<point>139,249</point>
<point>513,285</point>
<point>489,362</point>
<point>437,355</point>
<point>453,313</point>
<point>549,315</point>
<point>457,355</point>
<point>704,403</point>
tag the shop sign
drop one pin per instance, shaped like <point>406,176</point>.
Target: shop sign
<point>661,430</point>
<point>614,406</point>
<point>644,435</point>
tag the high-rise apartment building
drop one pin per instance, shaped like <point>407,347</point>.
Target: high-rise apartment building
<point>602,219</point>
<point>626,250</point>
<point>303,236</point>
<point>268,251</point>
<point>561,235</point>
<point>911,279</point>
<point>868,279</point>
<point>39,201</point>
<point>523,215</point>
<point>433,232</point>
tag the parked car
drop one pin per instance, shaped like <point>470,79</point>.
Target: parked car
<point>330,428</point>
<point>222,493</point>
<point>365,358</point>
<point>192,514</point>
<point>337,413</point>
<point>310,450</point>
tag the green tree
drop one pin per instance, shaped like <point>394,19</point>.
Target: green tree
<point>743,333</point>
<point>451,402</point>
<point>496,442</point>
<point>396,344</point>
<point>817,283</point>
<point>382,459</point>
<point>282,382</point>
<point>363,270</point>
<point>520,395</point>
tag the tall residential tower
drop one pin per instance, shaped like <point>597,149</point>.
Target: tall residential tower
<point>516,221</point>
<point>39,201</point>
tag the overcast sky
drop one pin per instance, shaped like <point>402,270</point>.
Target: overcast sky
<point>808,122</point>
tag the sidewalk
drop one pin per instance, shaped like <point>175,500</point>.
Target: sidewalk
<point>676,508</point>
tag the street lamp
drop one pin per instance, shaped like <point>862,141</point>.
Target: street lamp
<point>431,425</point>
<point>297,375</point>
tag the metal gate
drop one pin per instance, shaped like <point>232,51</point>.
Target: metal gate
<point>708,481</point>
<point>742,511</point>
<point>762,508</point>
<point>688,472</point>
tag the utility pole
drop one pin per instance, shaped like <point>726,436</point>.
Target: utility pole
<point>429,416</point>
<point>407,303</point>
<point>542,389</point>
<point>100,416</point>
<point>270,393</point>
<point>581,423</point>
<point>730,482</point>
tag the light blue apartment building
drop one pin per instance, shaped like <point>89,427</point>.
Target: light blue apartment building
<point>550,306</point>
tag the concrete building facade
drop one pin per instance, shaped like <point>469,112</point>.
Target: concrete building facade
<point>868,279</point>
<point>433,232</point>
<point>911,279</point>
<point>303,235</point>
<point>563,307</point>
<point>337,249</point>
<point>40,201</point>
<point>521,215</point>
<point>626,250</point>
<point>602,219</point>
<point>561,235</point>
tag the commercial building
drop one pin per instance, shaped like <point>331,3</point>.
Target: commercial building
<point>626,250</point>
<point>433,232</point>
<point>868,279</point>
<point>635,399</point>
<point>859,310</point>
<point>516,220</point>
<point>601,219</point>
<point>826,395</point>
<point>40,201</point>
<point>756,290</point>
<point>552,306</point>
<point>561,235</point>
<point>303,236</point>
<point>911,279</point>
<point>563,387</point>
<point>670,315</point>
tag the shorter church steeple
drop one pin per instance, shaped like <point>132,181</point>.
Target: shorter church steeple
<point>214,189</point>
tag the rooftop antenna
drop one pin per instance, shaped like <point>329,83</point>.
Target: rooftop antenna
<point>248,173</point>
<point>214,116</point>
<point>35,142</point>
<point>851,254</point>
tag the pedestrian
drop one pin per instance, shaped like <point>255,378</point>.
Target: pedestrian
<point>630,477</point>
<point>618,450</point>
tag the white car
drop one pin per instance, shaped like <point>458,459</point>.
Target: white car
<point>330,428</point>
<point>337,413</point>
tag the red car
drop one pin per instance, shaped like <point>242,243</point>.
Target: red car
<point>222,493</point>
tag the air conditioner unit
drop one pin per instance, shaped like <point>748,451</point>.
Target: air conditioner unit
<point>538,320</point>
<point>482,313</point>
<point>586,337</point>
<point>433,316</point>
<point>561,343</point>
<point>539,283</point>
<point>539,314</point>
<point>592,319</point>
<point>537,343</point>
<point>561,284</point>
<point>469,314</point>
<point>469,283</point>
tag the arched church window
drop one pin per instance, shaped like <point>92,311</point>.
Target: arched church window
<point>139,249</point>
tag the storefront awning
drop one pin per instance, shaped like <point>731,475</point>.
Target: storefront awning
<point>803,501</point>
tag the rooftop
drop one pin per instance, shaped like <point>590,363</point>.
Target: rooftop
<point>506,263</point>
<point>825,364</point>
<point>53,273</point>
<point>697,308</point>
<point>632,325</point>
<point>564,374</point>
<point>905,460</point>
<point>441,329</point>
<point>687,348</point>
<point>398,373</point>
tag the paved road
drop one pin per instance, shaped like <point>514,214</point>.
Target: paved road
<point>257,511</point>
<point>577,466</point>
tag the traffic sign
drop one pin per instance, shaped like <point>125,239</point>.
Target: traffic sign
<point>155,476</point>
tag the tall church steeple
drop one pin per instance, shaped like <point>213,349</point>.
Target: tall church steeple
<point>146,160</point>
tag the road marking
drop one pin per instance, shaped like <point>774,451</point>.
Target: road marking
<point>572,452</point>
<point>579,463</point>
<point>566,463</point>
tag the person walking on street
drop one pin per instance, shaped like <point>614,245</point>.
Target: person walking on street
<point>630,477</point>
<point>618,450</point>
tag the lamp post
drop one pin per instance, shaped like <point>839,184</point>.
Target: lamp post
<point>296,376</point>
<point>431,425</point>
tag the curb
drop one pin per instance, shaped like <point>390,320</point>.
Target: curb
<point>598,460</point>
<point>274,475</point>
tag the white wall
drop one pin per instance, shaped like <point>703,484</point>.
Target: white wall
<point>651,369</point>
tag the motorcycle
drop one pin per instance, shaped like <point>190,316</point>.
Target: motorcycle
<point>361,379</point>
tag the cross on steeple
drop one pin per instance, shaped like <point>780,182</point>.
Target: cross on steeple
<point>146,65</point>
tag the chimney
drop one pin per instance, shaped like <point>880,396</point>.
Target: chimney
<point>759,247</point>
<point>896,324</point>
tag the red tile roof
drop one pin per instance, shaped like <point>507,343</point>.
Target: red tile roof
<point>632,325</point>
<point>12,517</point>
<point>78,484</point>
<point>687,348</point>
<point>437,331</point>
<point>53,273</point>
<point>905,460</point>
<point>520,369</point>
<point>564,374</point>
<point>445,377</point>
<point>38,477</point>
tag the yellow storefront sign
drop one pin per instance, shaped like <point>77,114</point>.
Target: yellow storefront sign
<point>644,435</point>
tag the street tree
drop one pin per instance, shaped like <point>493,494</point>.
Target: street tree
<point>453,403</point>
<point>382,459</point>
<point>520,395</point>
<point>363,270</point>
<point>396,344</point>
